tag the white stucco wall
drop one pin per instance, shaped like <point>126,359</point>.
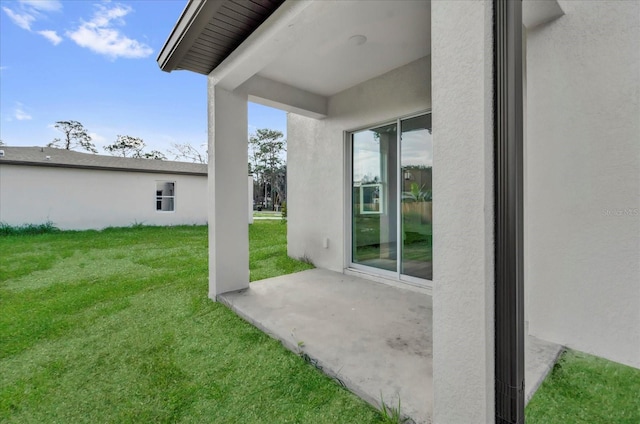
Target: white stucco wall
<point>228,193</point>
<point>583,179</point>
<point>463,231</point>
<point>316,166</point>
<point>78,199</point>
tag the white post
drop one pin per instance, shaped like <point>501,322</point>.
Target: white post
<point>463,292</point>
<point>228,158</point>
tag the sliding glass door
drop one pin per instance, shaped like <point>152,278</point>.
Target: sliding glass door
<point>375,196</point>
<point>416,159</point>
<point>391,198</point>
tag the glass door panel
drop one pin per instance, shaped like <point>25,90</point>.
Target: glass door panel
<point>416,161</point>
<point>375,197</point>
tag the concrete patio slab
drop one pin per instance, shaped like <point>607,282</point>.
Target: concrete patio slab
<point>540,357</point>
<point>373,338</point>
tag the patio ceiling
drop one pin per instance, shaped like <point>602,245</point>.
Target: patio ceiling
<point>295,54</point>
<point>327,58</point>
<point>306,45</point>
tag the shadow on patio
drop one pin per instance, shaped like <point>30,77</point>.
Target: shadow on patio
<point>372,337</point>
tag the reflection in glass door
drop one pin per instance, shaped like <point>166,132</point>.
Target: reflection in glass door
<point>416,160</point>
<point>374,194</point>
<point>391,198</point>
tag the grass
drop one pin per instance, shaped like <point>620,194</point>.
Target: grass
<point>268,253</point>
<point>27,229</point>
<point>586,389</point>
<point>115,327</point>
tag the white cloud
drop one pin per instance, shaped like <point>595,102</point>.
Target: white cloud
<point>43,5</point>
<point>100,35</point>
<point>2,68</point>
<point>22,19</point>
<point>20,114</point>
<point>97,138</point>
<point>29,11</point>
<point>51,36</point>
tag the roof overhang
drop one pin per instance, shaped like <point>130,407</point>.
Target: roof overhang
<point>303,52</point>
<point>210,30</point>
<point>295,55</point>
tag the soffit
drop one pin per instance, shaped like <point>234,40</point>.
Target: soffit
<point>209,30</point>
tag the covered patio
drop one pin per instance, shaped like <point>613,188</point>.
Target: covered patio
<point>341,69</point>
<point>373,338</point>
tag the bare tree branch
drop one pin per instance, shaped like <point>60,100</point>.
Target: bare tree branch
<point>187,152</point>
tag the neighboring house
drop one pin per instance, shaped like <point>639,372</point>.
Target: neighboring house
<point>78,191</point>
<point>365,151</point>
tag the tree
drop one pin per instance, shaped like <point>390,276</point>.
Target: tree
<point>132,147</point>
<point>280,184</point>
<point>187,152</point>
<point>266,148</point>
<point>126,146</point>
<point>154,154</point>
<point>75,137</point>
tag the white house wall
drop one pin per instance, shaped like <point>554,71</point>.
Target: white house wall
<point>583,176</point>
<point>463,212</point>
<point>316,165</point>
<point>78,199</point>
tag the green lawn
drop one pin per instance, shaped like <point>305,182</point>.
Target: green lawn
<point>115,326</point>
<point>586,389</point>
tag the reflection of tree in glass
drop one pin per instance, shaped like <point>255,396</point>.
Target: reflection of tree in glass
<point>368,179</point>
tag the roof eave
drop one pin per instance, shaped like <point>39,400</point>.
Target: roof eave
<point>103,167</point>
<point>192,21</point>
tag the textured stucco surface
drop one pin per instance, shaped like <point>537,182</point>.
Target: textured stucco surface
<point>317,168</point>
<point>583,179</point>
<point>463,291</point>
<point>228,194</point>
<point>79,199</point>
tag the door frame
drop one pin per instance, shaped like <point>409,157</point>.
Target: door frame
<point>348,201</point>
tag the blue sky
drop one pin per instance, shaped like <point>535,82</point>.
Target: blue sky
<point>95,62</point>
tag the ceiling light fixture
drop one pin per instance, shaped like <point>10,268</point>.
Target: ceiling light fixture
<point>357,40</point>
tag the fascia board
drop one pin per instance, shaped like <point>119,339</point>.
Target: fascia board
<point>194,18</point>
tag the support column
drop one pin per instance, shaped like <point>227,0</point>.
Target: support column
<point>228,191</point>
<point>463,250</point>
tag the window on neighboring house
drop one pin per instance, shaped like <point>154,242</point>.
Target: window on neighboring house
<point>165,196</point>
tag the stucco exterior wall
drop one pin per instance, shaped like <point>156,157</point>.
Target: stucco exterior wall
<point>583,179</point>
<point>463,231</point>
<point>78,199</point>
<point>316,165</point>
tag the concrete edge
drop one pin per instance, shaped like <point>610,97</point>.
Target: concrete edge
<point>309,358</point>
<point>402,285</point>
<point>538,382</point>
